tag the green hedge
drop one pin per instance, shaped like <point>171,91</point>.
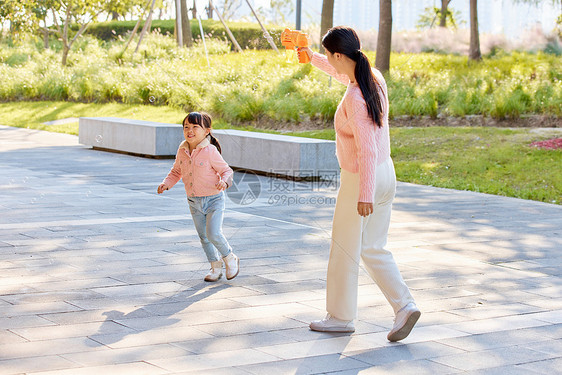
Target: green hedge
<point>248,35</point>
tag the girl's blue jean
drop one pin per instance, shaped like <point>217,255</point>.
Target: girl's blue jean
<point>207,214</point>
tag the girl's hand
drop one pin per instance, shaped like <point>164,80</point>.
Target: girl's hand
<point>221,185</point>
<point>161,188</point>
<point>306,50</point>
<point>364,209</point>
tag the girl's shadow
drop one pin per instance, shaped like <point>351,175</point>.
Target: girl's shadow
<point>161,311</point>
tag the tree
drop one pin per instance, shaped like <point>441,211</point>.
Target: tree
<point>327,20</point>
<point>147,25</point>
<point>384,38</point>
<point>21,14</point>
<point>276,11</point>
<point>443,14</point>
<point>537,2</point>
<point>474,53</point>
<point>194,10</point>
<point>227,8</point>
<point>82,12</point>
<point>122,7</point>
<point>430,14</point>
<point>187,38</point>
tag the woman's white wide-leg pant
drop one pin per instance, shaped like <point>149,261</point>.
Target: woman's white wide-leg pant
<point>355,237</point>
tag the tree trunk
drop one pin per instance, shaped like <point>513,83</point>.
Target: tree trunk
<point>177,29</point>
<point>146,27</point>
<point>46,35</point>
<point>114,16</point>
<point>194,11</point>
<point>185,26</point>
<point>384,39</point>
<point>443,15</point>
<point>327,20</point>
<point>474,53</point>
<point>65,50</point>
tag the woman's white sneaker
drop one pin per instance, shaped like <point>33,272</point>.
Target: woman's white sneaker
<point>331,324</point>
<point>405,320</point>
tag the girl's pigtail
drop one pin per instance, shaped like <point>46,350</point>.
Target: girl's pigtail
<point>215,142</point>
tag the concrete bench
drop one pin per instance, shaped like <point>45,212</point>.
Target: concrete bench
<point>261,152</point>
<point>139,137</point>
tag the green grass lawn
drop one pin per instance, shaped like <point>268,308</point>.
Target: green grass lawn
<point>488,160</point>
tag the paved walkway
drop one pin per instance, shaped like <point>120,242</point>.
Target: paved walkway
<point>100,275</point>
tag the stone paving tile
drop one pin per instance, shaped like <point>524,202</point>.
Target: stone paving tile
<point>65,345</point>
<point>52,332</point>
<point>23,322</point>
<point>105,276</point>
<point>508,370</point>
<point>201,362</point>
<point>137,368</point>
<point>553,347</point>
<point>35,364</point>
<point>235,342</point>
<point>402,367</point>
<point>515,355</point>
<point>395,353</point>
<point>106,356</point>
<point>216,371</point>
<point>131,338</point>
<point>499,324</point>
<point>34,298</point>
<point>9,338</point>
<point>309,365</point>
<point>485,341</point>
<point>84,316</point>
<point>249,326</point>
<point>549,366</point>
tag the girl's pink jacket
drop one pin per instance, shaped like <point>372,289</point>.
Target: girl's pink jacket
<point>199,171</point>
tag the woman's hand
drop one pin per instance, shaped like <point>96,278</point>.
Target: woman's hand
<point>306,50</point>
<point>364,209</point>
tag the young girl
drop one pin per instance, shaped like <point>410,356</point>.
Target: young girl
<point>367,188</point>
<point>205,175</point>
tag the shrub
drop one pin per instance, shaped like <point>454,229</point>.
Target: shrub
<point>261,85</point>
<point>248,35</point>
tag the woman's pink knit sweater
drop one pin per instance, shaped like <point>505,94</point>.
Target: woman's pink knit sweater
<point>360,144</point>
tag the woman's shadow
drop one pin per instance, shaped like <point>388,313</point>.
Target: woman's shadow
<point>161,311</point>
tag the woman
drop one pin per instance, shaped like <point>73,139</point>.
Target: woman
<point>367,188</point>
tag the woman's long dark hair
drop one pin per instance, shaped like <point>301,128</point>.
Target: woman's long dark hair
<point>203,119</point>
<point>344,40</point>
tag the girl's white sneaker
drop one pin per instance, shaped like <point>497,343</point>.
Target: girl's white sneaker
<point>215,272</point>
<point>331,324</point>
<point>232,265</point>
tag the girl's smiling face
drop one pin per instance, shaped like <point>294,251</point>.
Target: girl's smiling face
<point>194,133</point>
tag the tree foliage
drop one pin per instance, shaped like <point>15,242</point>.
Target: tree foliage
<point>430,16</point>
<point>23,15</point>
